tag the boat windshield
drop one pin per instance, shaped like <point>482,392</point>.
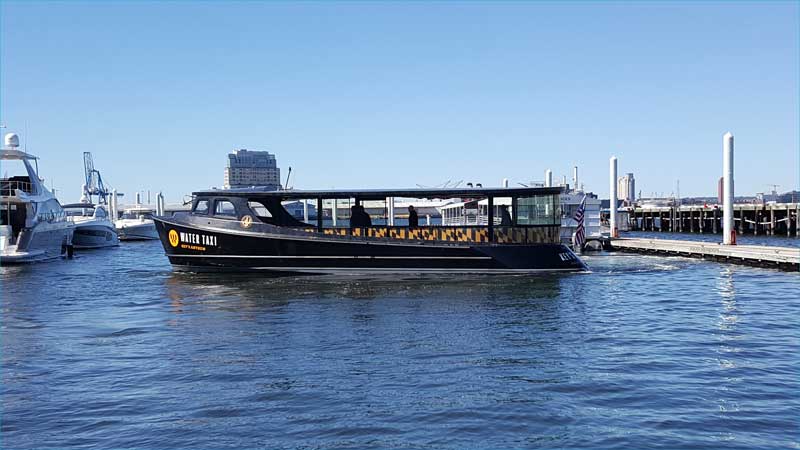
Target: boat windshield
<point>78,212</point>
<point>137,214</point>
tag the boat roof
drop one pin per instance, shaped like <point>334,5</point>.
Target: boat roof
<point>9,154</point>
<point>378,194</point>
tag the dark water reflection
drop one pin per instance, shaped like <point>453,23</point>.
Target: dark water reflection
<point>114,350</point>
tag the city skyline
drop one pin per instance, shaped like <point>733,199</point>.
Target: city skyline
<point>394,95</point>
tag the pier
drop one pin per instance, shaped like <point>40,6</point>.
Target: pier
<point>770,219</point>
<point>756,255</point>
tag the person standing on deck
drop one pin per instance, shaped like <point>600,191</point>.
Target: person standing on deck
<point>413,218</point>
<point>366,220</point>
<point>505,217</point>
<point>355,218</point>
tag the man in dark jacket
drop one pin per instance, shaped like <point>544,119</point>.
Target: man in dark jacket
<point>355,219</point>
<point>505,217</point>
<point>413,218</point>
<point>366,220</point>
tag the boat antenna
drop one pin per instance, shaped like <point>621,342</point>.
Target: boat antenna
<point>286,186</point>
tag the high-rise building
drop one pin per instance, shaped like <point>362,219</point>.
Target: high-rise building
<point>248,168</point>
<point>626,188</point>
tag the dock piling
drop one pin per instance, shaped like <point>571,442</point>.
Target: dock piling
<point>613,190</point>
<point>728,234</point>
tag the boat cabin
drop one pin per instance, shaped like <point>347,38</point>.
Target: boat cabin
<point>490,215</point>
<point>24,201</point>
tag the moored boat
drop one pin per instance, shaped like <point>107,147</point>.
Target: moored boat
<point>93,226</point>
<point>33,225</point>
<point>248,229</point>
<point>136,224</point>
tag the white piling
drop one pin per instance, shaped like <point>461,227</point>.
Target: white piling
<point>505,183</point>
<point>548,178</point>
<point>728,236</point>
<point>160,204</point>
<point>612,185</point>
<point>390,211</point>
<point>334,212</point>
<point>305,211</point>
<point>138,198</point>
<point>113,208</point>
<point>575,178</point>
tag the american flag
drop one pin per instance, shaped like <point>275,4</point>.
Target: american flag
<point>580,232</point>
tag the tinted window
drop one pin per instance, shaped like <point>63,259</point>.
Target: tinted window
<point>224,208</point>
<point>538,210</point>
<point>259,208</point>
<point>201,207</point>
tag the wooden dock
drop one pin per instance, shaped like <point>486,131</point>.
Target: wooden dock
<point>783,258</point>
<point>757,219</point>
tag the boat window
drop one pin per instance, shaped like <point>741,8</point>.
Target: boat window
<point>259,209</point>
<point>224,208</point>
<point>201,207</point>
<point>538,210</point>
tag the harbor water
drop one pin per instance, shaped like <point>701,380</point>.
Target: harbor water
<point>115,350</point>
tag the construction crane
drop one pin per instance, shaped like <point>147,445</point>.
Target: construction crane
<point>94,181</point>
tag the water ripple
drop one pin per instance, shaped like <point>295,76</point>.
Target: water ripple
<point>114,350</point>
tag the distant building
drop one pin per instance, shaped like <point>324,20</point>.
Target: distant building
<point>248,168</point>
<point>626,189</point>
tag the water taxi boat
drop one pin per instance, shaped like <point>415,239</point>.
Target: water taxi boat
<point>250,230</point>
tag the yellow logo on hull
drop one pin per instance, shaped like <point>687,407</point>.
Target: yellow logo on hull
<point>173,238</point>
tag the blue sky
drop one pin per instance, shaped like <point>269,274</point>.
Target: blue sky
<point>393,94</point>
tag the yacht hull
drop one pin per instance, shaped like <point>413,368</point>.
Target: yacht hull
<point>39,244</point>
<point>190,246</point>
<point>138,231</point>
<point>91,236</point>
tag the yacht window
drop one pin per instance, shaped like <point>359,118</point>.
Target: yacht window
<point>224,208</point>
<point>201,207</point>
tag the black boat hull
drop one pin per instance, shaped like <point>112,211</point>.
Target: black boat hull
<point>225,246</point>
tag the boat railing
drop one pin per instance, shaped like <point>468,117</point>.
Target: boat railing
<point>447,234</point>
<point>9,188</point>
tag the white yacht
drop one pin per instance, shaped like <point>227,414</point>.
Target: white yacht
<point>34,226</point>
<point>136,223</point>
<point>93,226</point>
<point>570,202</point>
